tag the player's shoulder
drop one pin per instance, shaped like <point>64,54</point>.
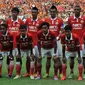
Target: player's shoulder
<point>82,16</point>
<point>29,34</point>
<point>71,17</point>
<point>20,20</point>
<point>39,19</point>
<point>75,36</point>
<point>62,35</point>
<point>39,32</point>
<point>8,20</point>
<point>58,18</point>
<point>46,19</point>
<point>28,19</point>
<point>51,32</point>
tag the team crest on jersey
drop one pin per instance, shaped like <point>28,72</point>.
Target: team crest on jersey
<point>56,23</point>
<point>9,25</point>
<point>29,23</point>
<point>82,21</point>
<point>37,25</point>
<point>17,25</point>
<point>72,21</point>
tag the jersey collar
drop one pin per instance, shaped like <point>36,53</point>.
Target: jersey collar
<point>53,19</point>
<point>70,38</point>
<point>35,19</point>
<point>78,17</point>
<point>46,34</point>
<point>15,20</point>
<point>24,37</point>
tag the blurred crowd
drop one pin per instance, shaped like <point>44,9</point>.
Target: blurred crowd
<point>65,7</point>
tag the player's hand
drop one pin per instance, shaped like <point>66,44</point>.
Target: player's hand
<point>64,59</point>
<point>79,60</point>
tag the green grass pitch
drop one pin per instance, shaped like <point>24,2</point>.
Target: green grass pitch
<point>27,81</point>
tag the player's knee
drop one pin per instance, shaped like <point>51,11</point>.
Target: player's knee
<point>18,58</point>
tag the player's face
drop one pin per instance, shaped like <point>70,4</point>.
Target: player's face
<point>53,12</point>
<point>45,29</point>
<point>15,14</point>
<point>3,29</point>
<point>23,32</point>
<point>68,33</point>
<point>34,13</point>
<point>77,10</point>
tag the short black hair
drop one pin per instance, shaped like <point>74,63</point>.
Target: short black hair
<point>44,23</point>
<point>15,9</point>
<point>5,25</point>
<point>53,7</point>
<point>35,8</point>
<point>68,27</point>
<point>23,26</point>
<point>77,5</point>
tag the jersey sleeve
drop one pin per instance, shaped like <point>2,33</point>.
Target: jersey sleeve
<point>62,37</point>
<point>30,37</point>
<point>38,35</point>
<point>77,41</point>
<point>53,35</point>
